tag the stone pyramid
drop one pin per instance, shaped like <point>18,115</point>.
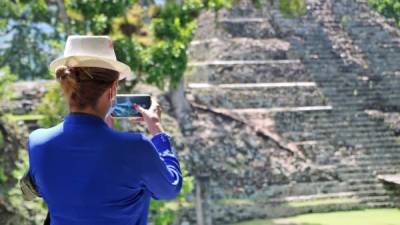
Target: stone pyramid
<point>293,115</point>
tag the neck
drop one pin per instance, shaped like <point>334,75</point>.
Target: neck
<point>89,111</point>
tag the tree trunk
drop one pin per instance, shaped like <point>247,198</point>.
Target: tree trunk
<point>178,100</point>
<point>63,15</point>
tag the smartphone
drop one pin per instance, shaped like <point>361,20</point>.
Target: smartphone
<point>124,104</point>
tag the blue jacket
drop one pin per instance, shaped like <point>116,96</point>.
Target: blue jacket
<point>90,174</point>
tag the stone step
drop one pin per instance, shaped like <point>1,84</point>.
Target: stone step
<point>379,148</point>
<point>296,189</point>
<point>302,198</point>
<point>377,199</point>
<point>361,125</point>
<point>324,122</point>
<point>274,110</point>
<point>373,151</point>
<point>371,163</point>
<point>249,85</point>
<point>344,90</point>
<point>238,49</point>
<point>322,126</point>
<point>349,176</point>
<point>376,169</point>
<point>377,195</point>
<point>364,187</point>
<point>362,181</point>
<point>317,188</point>
<point>361,138</point>
<point>379,130</point>
<point>246,71</point>
<point>395,155</point>
<point>388,204</point>
<point>376,149</point>
<point>245,9</point>
<point>343,154</point>
<point>245,62</point>
<point>327,126</point>
<point>259,28</point>
<point>385,92</point>
<point>358,130</point>
<point>257,97</point>
<point>344,101</point>
<point>333,114</point>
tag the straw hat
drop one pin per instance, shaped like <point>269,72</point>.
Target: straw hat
<point>91,51</point>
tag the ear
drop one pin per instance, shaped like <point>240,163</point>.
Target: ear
<point>113,90</point>
<point>110,93</point>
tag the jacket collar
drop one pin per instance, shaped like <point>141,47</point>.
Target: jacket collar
<point>84,118</point>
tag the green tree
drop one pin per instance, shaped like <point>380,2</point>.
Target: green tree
<point>28,37</point>
<point>388,8</point>
<point>293,8</point>
<point>53,106</point>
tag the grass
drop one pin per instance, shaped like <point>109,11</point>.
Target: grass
<point>359,217</point>
<point>322,202</point>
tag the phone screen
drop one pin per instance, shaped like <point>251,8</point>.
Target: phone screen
<point>124,104</point>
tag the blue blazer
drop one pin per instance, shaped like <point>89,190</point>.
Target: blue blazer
<point>90,174</point>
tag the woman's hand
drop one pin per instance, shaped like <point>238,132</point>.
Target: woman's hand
<point>151,116</point>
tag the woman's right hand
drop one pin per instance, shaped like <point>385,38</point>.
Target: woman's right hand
<point>151,116</point>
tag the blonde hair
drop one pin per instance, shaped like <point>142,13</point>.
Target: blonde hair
<point>83,86</point>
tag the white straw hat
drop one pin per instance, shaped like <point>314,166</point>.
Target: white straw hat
<point>91,51</point>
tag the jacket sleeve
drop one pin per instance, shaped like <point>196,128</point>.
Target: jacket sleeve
<point>161,171</point>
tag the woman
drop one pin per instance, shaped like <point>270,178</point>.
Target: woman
<point>86,172</point>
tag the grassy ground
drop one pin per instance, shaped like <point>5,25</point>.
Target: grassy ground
<point>361,217</point>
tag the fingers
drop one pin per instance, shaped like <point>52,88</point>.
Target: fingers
<point>139,108</point>
<point>137,120</point>
<point>155,106</point>
<point>154,103</point>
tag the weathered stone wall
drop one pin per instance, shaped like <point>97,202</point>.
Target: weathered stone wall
<point>303,90</point>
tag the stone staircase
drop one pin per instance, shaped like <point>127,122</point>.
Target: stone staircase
<point>305,85</point>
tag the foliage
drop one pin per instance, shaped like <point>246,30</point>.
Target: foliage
<point>19,211</point>
<point>163,214</point>
<point>152,39</point>
<point>22,209</point>
<point>94,16</point>
<point>6,79</point>
<point>388,8</point>
<point>53,107</point>
<point>292,8</point>
<point>27,37</point>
